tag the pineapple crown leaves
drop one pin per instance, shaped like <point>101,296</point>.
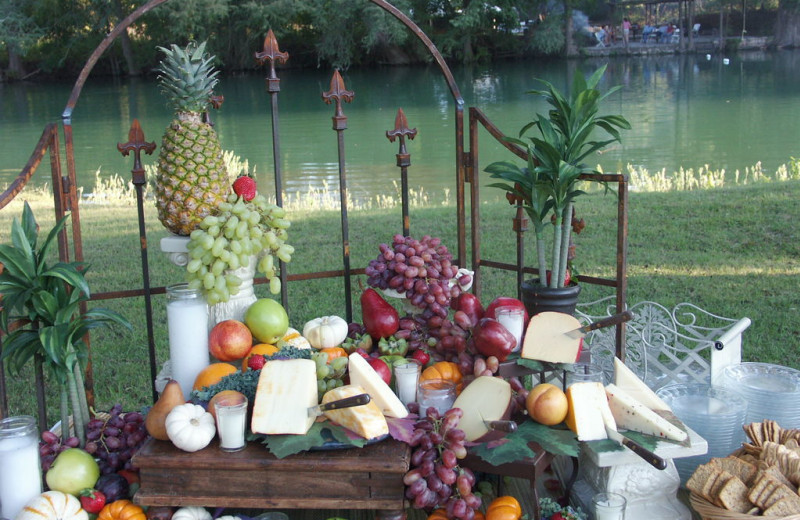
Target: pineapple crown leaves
<point>187,76</point>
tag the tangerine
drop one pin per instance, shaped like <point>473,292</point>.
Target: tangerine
<point>212,375</point>
<point>261,349</point>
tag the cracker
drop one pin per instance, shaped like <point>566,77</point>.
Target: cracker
<point>745,471</point>
<point>733,496</point>
<point>783,507</point>
<point>700,478</point>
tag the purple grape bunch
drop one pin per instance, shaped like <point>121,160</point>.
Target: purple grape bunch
<point>435,478</point>
<point>419,269</point>
<point>113,441</point>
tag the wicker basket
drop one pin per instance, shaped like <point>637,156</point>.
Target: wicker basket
<point>709,511</point>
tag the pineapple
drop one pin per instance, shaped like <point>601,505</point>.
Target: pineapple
<point>192,178</point>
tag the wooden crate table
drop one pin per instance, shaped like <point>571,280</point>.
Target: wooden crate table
<point>357,478</point>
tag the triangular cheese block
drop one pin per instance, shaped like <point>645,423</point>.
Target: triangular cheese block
<point>630,414</point>
<point>363,375</point>
<point>545,338</point>
<point>630,383</point>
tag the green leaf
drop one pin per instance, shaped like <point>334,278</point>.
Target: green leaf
<point>511,448</point>
<point>284,445</point>
<point>516,446</point>
<point>15,262</point>
<point>69,274</point>
<point>558,441</point>
<point>29,225</point>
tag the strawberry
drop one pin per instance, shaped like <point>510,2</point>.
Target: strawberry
<point>256,362</point>
<point>245,187</point>
<point>92,501</point>
<point>421,356</point>
<point>557,516</point>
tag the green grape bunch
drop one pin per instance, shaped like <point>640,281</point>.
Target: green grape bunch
<point>331,374</point>
<point>226,241</point>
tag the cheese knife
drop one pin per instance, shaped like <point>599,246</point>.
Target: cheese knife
<point>580,332</point>
<point>347,402</point>
<point>501,426</point>
<point>648,456</point>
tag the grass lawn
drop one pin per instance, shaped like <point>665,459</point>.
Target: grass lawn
<point>732,251</point>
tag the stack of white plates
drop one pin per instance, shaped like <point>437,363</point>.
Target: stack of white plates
<point>771,391</point>
<point>715,413</point>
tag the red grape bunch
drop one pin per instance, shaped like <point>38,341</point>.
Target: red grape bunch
<point>435,478</point>
<point>114,441</point>
<point>421,270</point>
<point>51,445</point>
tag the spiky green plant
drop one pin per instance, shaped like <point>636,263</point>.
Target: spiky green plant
<point>547,184</point>
<point>41,314</point>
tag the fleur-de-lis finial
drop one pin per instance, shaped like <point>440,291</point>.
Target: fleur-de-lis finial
<point>136,144</point>
<point>401,131</point>
<point>337,94</point>
<point>272,54</point>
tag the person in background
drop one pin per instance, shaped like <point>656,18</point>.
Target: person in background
<point>626,31</point>
<point>609,38</point>
<point>647,32</point>
<point>600,35</point>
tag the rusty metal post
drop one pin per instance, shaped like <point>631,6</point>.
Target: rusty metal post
<point>337,94</point>
<point>136,144</point>
<point>272,54</point>
<point>401,131</point>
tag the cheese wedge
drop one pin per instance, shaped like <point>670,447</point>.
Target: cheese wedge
<point>286,389</point>
<point>545,339</point>
<point>630,414</point>
<point>588,411</point>
<point>484,399</point>
<point>630,383</point>
<point>363,375</point>
<point>365,420</point>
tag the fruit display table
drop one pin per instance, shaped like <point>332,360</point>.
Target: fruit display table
<point>358,478</point>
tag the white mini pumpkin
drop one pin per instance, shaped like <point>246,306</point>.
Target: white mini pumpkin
<point>192,513</point>
<point>53,505</point>
<point>325,332</point>
<point>190,427</point>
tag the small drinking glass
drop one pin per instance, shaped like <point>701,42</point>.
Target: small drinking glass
<point>231,417</point>
<point>609,506</point>
<point>585,372</point>
<point>406,378</point>
<point>438,393</point>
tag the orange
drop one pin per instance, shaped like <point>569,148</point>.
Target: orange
<point>262,349</point>
<point>212,375</point>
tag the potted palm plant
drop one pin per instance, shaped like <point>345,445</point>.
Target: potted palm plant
<point>547,185</point>
<point>41,315</point>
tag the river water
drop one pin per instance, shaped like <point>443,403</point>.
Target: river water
<point>686,111</point>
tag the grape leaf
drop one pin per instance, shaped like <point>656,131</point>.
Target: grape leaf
<point>319,435</point>
<point>544,366</point>
<point>401,429</point>
<point>516,446</point>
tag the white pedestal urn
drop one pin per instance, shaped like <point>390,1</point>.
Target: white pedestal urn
<point>237,305</point>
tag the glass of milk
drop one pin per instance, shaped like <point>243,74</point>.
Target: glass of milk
<point>406,377</point>
<point>187,325</point>
<point>20,472</point>
<point>231,415</point>
<point>609,506</point>
<point>513,319</point>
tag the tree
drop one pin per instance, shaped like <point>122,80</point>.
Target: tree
<point>18,32</point>
<point>787,31</point>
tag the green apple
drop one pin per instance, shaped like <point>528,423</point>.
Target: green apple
<point>71,471</point>
<point>267,320</point>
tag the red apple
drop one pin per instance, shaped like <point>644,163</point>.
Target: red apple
<point>380,366</point>
<point>470,304</point>
<point>230,340</point>
<point>491,338</point>
<point>505,301</point>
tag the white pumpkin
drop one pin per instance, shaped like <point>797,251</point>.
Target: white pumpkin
<point>190,427</point>
<point>325,332</point>
<point>53,505</point>
<point>192,513</point>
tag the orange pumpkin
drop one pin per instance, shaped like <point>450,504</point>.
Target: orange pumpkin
<point>122,510</point>
<point>263,349</point>
<point>438,514</point>
<point>504,508</point>
<point>479,516</point>
<point>446,370</point>
<point>334,352</point>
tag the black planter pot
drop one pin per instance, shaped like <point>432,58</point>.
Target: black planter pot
<point>538,298</point>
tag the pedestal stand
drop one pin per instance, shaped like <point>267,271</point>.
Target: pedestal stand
<point>651,493</point>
